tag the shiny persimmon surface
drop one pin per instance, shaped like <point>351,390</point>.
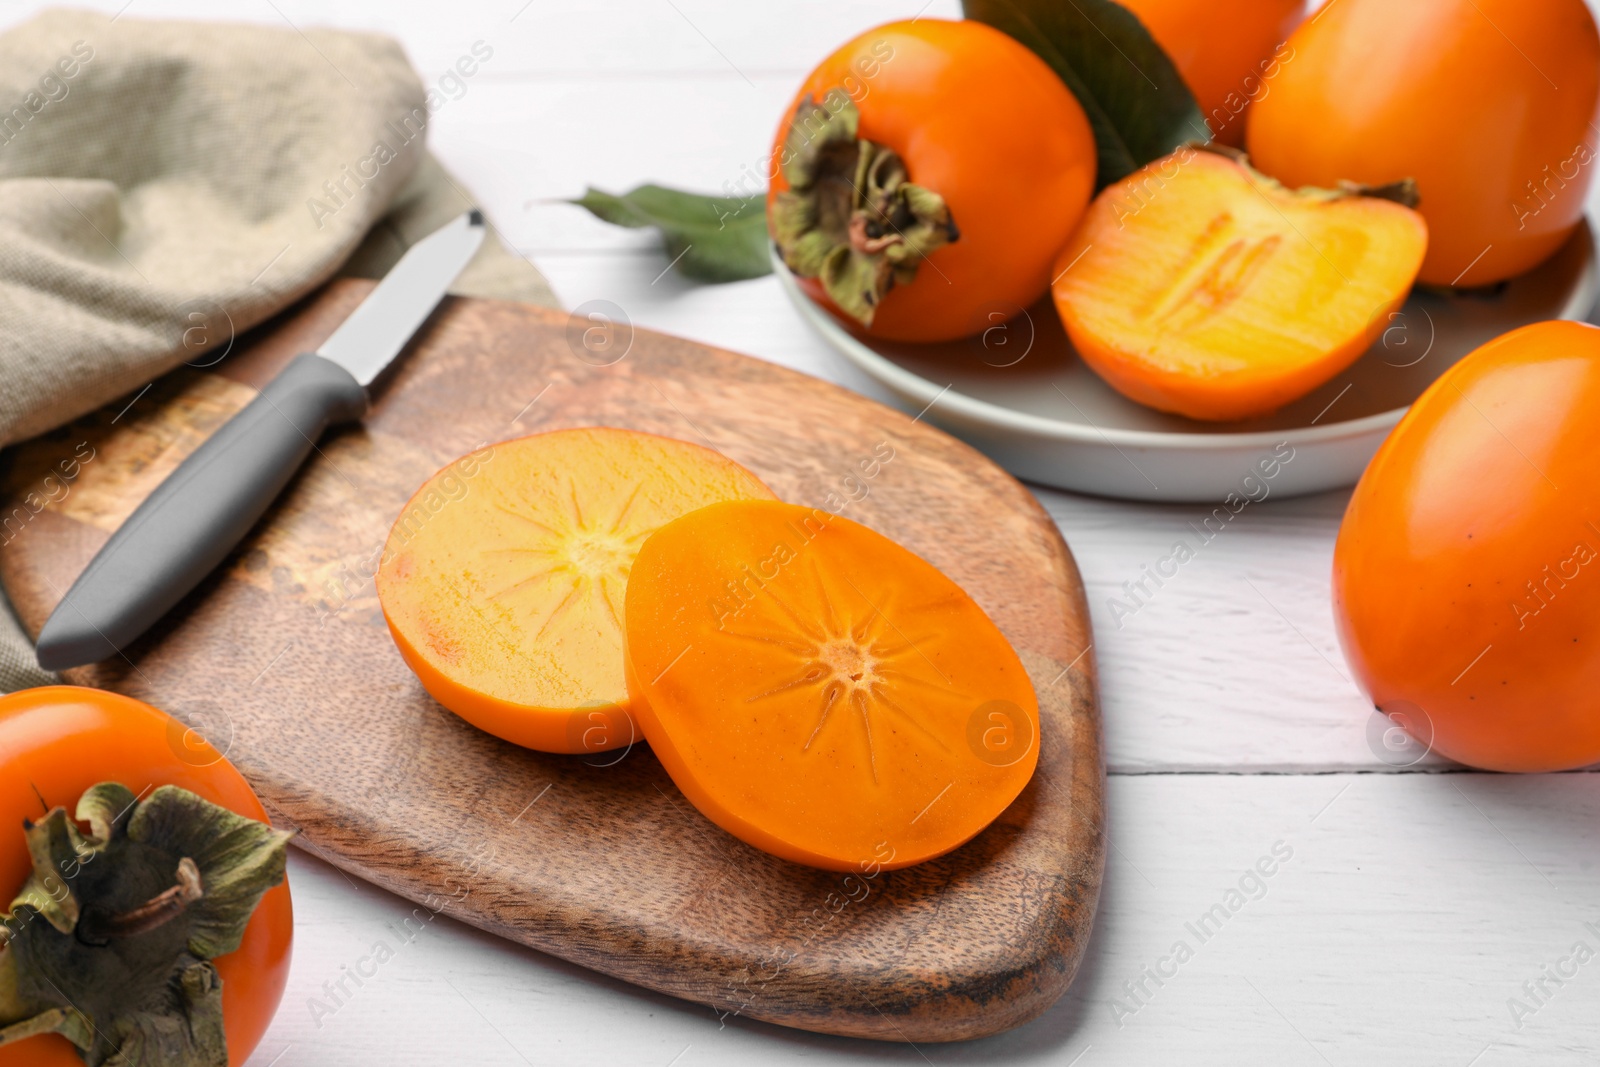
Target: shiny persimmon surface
<point>1466,578</point>
<point>56,742</point>
<point>1488,104</point>
<point>983,122</point>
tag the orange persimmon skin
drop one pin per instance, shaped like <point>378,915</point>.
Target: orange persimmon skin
<point>822,693</point>
<point>63,739</point>
<point>1199,287</point>
<point>983,122</point>
<point>1488,104</point>
<point>1224,51</point>
<point>504,592</point>
<point>1466,576</point>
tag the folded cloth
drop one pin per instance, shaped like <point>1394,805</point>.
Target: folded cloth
<point>153,170</point>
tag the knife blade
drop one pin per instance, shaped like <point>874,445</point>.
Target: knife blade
<point>204,508</point>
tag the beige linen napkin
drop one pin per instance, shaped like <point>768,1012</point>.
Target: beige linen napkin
<point>149,169</point>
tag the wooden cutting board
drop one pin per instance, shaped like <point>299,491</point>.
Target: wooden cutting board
<point>282,658</point>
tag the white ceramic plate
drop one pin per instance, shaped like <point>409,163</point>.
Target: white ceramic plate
<point>1018,392</point>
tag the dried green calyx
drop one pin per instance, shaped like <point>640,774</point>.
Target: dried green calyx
<point>851,216</point>
<point>110,939</point>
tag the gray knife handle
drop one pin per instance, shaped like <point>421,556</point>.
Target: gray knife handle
<point>195,518</point>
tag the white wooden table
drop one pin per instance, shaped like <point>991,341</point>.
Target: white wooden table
<point>1408,913</point>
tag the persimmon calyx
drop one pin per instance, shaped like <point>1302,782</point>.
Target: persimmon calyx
<point>132,914</point>
<point>1403,192</point>
<point>851,216</point>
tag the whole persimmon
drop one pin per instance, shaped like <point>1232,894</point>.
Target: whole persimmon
<point>1228,54</point>
<point>1466,577</point>
<point>924,177</point>
<point>156,968</point>
<point>1489,104</point>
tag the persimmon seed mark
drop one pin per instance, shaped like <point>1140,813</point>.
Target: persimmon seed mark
<point>851,657</point>
<point>590,555</point>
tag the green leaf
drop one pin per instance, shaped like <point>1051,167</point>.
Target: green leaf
<point>710,238</point>
<point>1135,98</point>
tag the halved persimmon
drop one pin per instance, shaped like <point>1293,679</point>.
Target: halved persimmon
<point>819,691</point>
<point>1200,286</point>
<point>503,578</point>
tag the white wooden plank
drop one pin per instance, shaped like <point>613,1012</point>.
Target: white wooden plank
<point>536,39</point>
<point>1233,663</point>
<point>525,147</point>
<point>1409,910</point>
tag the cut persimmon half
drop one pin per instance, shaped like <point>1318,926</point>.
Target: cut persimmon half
<point>503,581</point>
<point>1200,286</point>
<point>819,691</point>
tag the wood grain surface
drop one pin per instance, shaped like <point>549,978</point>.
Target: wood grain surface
<point>282,658</point>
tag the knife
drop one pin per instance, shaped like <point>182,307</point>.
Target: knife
<point>205,507</point>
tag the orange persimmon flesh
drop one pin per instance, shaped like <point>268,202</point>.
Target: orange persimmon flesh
<point>1199,286</point>
<point>503,585</point>
<point>819,691</point>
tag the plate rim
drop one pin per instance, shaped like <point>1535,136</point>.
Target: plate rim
<point>986,413</point>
